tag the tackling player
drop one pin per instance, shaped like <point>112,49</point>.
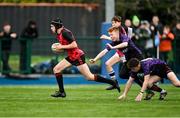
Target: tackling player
<point>75,57</point>
<point>118,56</point>
<point>154,70</point>
<point>125,45</point>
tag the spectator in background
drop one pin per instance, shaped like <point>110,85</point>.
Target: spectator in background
<point>176,44</point>
<point>156,25</point>
<point>128,23</point>
<point>6,40</point>
<point>128,27</point>
<point>176,30</point>
<point>156,29</point>
<point>30,31</point>
<point>166,43</point>
<point>146,37</point>
<point>143,38</point>
<point>135,21</point>
<point>28,34</point>
<point>135,26</point>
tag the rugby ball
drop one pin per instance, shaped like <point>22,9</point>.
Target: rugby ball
<point>54,49</point>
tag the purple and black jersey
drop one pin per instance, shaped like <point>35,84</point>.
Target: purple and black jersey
<point>152,66</point>
<point>131,51</point>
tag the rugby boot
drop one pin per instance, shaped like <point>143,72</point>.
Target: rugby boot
<point>59,94</point>
<point>116,86</point>
<point>163,95</point>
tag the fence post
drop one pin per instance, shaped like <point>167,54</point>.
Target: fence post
<point>0,57</point>
<point>25,55</point>
<point>29,50</point>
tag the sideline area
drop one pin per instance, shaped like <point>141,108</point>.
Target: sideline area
<point>36,79</point>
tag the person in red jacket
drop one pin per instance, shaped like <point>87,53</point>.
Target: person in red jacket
<point>165,43</point>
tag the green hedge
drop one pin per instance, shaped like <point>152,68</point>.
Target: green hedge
<point>49,1</point>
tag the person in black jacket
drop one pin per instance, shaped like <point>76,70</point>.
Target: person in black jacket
<point>30,31</point>
<point>6,37</point>
<point>28,34</point>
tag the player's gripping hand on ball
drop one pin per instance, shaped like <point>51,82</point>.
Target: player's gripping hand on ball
<point>92,61</point>
<point>56,47</point>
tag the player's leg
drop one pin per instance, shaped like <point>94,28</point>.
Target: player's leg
<point>173,78</point>
<point>149,93</point>
<point>153,79</point>
<point>156,88</point>
<point>5,60</point>
<point>57,72</point>
<point>124,71</point>
<point>151,88</point>
<point>113,60</point>
<point>124,74</point>
<point>84,69</point>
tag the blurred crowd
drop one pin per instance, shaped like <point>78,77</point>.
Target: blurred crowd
<point>154,38</point>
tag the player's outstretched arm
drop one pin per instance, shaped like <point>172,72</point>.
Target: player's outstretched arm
<point>121,45</point>
<point>127,88</point>
<point>99,56</point>
<point>105,37</point>
<point>144,87</point>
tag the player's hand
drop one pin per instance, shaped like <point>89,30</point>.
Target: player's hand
<point>92,61</point>
<point>104,37</point>
<point>58,46</point>
<point>139,97</point>
<point>109,45</point>
<point>122,97</point>
<point>13,35</point>
<point>1,33</point>
<point>163,36</point>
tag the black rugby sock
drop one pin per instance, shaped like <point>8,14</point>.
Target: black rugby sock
<point>112,75</point>
<point>59,79</point>
<point>101,79</point>
<point>156,88</point>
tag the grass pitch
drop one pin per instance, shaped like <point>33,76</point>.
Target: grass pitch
<point>84,101</point>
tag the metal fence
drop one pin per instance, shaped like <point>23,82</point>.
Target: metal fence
<point>41,47</point>
<point>82,19</point>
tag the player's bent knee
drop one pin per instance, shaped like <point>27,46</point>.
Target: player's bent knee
<point>150,84</point>
<point>108,65</point>
<point>56,70</point>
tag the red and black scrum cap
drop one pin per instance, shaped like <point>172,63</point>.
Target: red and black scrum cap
<point>57,22</point>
